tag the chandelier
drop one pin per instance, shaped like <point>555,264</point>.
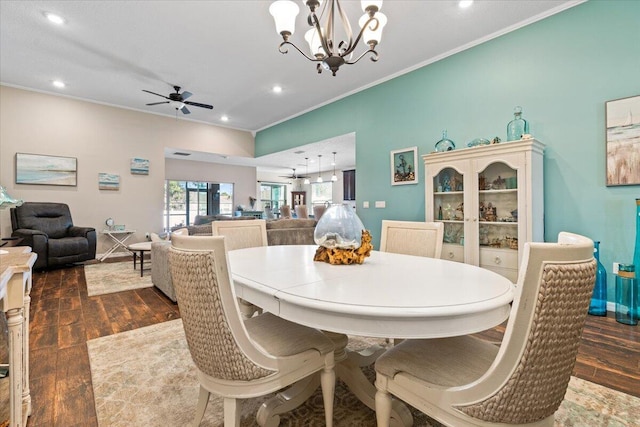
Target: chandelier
<point>330,54</point>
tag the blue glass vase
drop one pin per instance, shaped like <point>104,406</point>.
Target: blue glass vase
<point>598,306</point>
<point>518,126</point>
<point>626,295</point>
<point>445,144</point>
<point>636,253</point>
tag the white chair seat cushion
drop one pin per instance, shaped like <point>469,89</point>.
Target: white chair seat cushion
<point>445,361</point>
<point>282,338</point>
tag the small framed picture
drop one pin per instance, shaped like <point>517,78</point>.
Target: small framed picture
<point>139,166</point>
<point>404,165</point>
<point>108,181</point>
<point>622,118</point>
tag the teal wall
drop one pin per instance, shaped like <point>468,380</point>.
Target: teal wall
<point>561,70</point>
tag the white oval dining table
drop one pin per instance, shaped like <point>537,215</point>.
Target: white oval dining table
<point>388,296</point>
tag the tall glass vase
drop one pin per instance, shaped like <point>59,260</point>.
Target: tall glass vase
<point>636,253</point>
<point>598,305</point>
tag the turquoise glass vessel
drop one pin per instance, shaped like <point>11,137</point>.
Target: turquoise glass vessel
<point>445,144</point>
<point>627,295</point>
<point>636,252</point>
<point>636,256</point>
<point>598,305</point>
<point>518,126</point>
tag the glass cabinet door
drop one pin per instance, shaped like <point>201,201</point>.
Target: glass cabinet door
<point>448,205</point>
<point>498,218</point>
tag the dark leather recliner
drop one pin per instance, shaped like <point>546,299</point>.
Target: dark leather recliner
<point>49,230</point>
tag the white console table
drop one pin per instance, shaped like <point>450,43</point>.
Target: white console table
<point>15,286</point>
<point>118,237</point>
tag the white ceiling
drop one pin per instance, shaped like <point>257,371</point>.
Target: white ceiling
<point>226,52</point>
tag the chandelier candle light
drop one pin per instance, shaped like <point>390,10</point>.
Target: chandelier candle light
<point>330,54</point>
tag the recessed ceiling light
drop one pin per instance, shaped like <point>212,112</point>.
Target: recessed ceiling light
<point>463,4</point>
<point>224,118</point>
<point>277,89</point>
<point>56,19</point>
<point>59,84</point>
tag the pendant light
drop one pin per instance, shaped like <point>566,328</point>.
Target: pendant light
<point>334,177</point>
<point>319,179</point>
<point>306,178</point>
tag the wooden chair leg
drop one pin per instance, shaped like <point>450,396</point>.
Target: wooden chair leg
<point>203,401</point>
<point>231,412</point>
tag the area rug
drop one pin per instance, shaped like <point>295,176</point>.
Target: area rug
<point>145,377</point>
<point>112,277</point>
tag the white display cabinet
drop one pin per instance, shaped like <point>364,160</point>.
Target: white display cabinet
<point>490,199</point>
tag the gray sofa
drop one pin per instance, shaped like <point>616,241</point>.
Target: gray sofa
<point>279,232</point>
<point>202,223</point>
<point>291,231</point>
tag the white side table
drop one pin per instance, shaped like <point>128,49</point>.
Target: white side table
<point>118,237</point>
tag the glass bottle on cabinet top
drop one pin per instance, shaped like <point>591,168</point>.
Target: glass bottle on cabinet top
<point>518,126</point>
<point>445,144</point>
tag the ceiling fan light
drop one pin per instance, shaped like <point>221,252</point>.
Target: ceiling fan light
<point>177,105</point>
<point>284,14</point>
<point>373,32</point>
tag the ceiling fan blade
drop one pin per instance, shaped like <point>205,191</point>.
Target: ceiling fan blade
<point>185,110</point>
<point>196,104</point>
<point>158,103</point>
<point>185,95</point>
<point>153,93</point>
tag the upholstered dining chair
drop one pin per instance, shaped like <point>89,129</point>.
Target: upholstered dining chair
<point>318,211</point>
<point>240,235</point>
<point>285,211</point>
<point>412,238</point>
<point>236,358</point>
<point>465,381</point>
<point>302,211</point>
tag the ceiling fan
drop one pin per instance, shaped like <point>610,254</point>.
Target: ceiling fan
<point>293,175</point>
<point>178,100</point>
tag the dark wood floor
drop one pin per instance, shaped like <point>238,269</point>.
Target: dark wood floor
<point>63,318</point>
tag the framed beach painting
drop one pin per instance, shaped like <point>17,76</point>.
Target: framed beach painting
<point>108,181</point>
<point>139,166</point>
<point>404,166</point>
<point>46,170</point>
<point>622,118</point>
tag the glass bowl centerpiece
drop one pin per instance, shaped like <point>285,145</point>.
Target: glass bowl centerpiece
<point>341,237</point>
